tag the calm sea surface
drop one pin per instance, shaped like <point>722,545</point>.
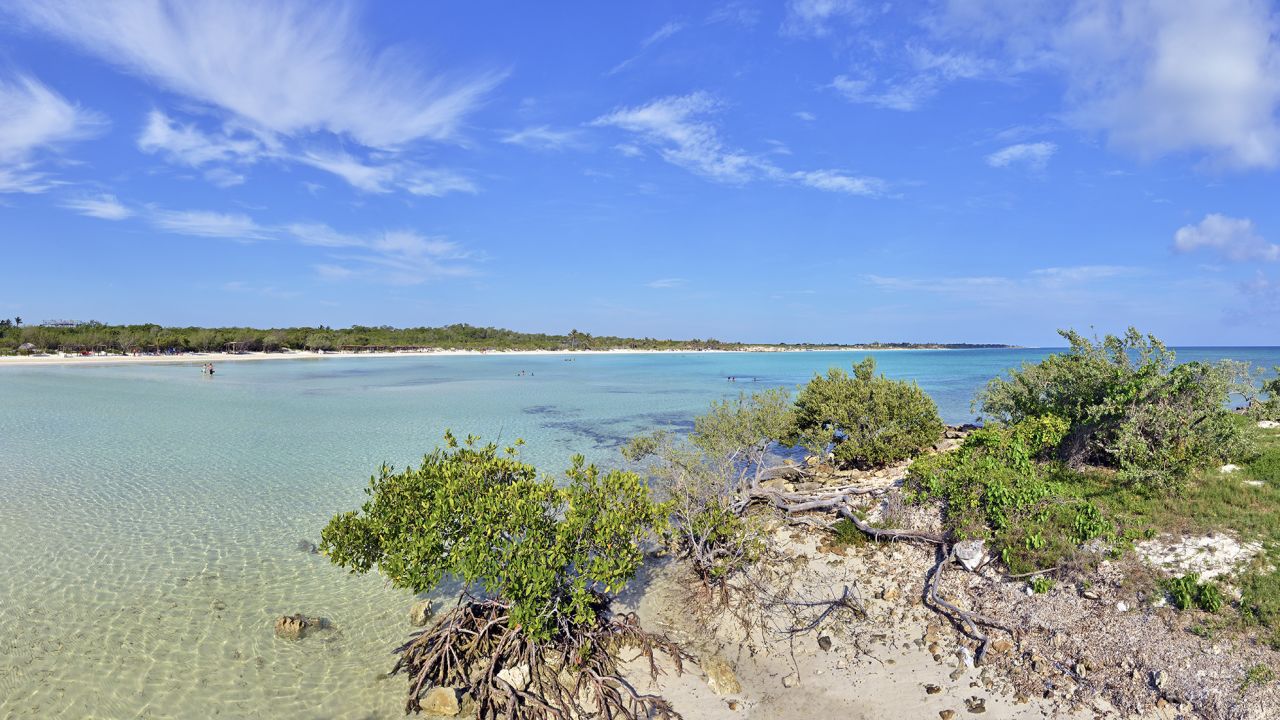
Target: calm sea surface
<point>150,516</point>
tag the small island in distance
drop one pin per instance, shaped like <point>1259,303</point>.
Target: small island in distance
<point>151,339</point>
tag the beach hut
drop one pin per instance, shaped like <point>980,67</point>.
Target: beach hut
<point>26,348</point>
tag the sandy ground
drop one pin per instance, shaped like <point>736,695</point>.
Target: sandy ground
<point>880,666</point>
<point>69,359</point>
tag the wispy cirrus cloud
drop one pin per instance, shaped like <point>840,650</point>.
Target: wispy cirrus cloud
<point>282,76</point>
<point>921,75</point>
<point>1234,239</point>
<point>818,18</point>
<point>666,283</point>
<point>1037,280</point>
<point>542,137</point>
<point>209,224</point>
<point>679,128</point>
<point>103,207</point>
<point>1034,156</point>
<point>657,36</point>
<point>397,256</point>
<point>402,257</point>
<point>33,120</point>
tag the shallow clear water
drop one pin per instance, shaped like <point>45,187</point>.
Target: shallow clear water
<point>149,515</point>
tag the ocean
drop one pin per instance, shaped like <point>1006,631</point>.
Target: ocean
<point>150,516</point>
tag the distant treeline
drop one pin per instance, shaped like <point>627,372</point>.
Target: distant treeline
<point>99,337</point>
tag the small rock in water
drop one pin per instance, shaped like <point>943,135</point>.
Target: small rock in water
<point>292,627</point>
<point>720,677</point>
<point>420,613</point>
<point>441,701</point>
<point>791,680</point>
<point>307,546</point>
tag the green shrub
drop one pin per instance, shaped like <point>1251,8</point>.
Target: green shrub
<point>996,486</point>
<point>1267,408</point>
<point>1189,592</point>
<point>548,551</point>
<point>865,420</point>
<point>1128,406</point>
<point>706,480</point>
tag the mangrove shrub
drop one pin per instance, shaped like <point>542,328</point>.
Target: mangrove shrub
<point>865,420</point>
<point>1128,406</point>
<point>539,561</point>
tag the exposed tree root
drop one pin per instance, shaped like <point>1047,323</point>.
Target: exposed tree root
<point>473,647</point>
<point>836,500</point>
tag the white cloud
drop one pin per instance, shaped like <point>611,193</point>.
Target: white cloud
<point>384,178</point>
<point>285,67</point>
<point>34,118</point>
<point>1079,274</point>
<point>1035,281</point>
<point>105,207</point>
<point>1233,238</point>
<point>806,116</point>
<point>1032,155</point>
<point>1156,78</point>
<point>833,181</point>
<point>679,129</point>
<point>186,144</point>
<point>628,149</point>
<point>542,137</point>
<point>403,257</point>
<point>279,74</point>
<point>205,223</point>
<point>666,283</point>
<point>815,17</point>
<point>663,33</point>
<point>924,74</point>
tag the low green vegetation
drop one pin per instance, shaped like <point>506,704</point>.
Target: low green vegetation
<point>151,338</point>
<point>1257,676</point>
<point>865,420</point>
<point>1189,591</point>
<point>1128,406</point>
<point>539,561</point>
<point>1003,486</point>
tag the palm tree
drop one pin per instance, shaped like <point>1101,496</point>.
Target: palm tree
<point>17,322</point>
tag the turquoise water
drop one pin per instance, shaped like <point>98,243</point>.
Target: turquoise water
<point>150,515</point>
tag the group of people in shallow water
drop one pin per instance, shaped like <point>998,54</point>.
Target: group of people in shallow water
<point>207,369</point>
<point>735,378</point>
<point>523,373</point>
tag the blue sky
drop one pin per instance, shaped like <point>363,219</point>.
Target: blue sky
<point>818,170</point>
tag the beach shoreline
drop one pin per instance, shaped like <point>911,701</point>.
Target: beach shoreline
<point>216,357</point>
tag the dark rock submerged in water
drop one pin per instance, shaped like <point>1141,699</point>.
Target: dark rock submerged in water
<point>307,546</point>
<point>297,626</point>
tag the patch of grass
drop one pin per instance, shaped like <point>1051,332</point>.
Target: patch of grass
<point>1041,585</point>
<point>847,534</point>
<point>1257,675</point>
